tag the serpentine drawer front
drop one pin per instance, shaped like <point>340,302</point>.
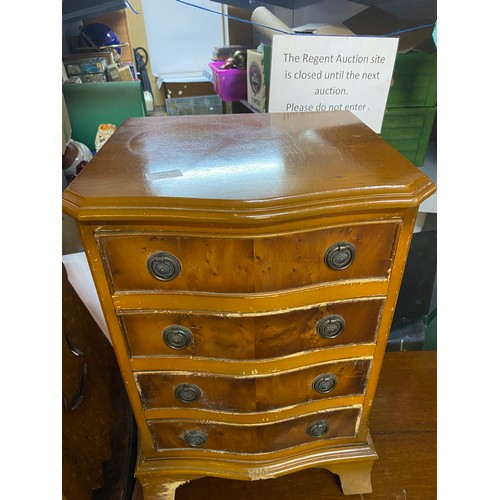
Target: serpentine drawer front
<point>248,267</point>
<point>256,439</point>
<point>248,337</point>
<point>171,262</point>
<point>249,394</point>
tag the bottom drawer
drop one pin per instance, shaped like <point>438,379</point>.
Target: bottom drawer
<point>260,438</point>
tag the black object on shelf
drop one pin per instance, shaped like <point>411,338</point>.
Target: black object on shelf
<point>141,64</point>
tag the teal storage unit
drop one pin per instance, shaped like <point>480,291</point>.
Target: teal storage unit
<point>90,104</point>
<point>411,105</point>
<point>408,130</point>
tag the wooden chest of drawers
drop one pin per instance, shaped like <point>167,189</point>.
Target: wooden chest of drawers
<point>248,267</point>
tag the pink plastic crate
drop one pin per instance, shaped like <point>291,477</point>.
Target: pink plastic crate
<point>230,84</point>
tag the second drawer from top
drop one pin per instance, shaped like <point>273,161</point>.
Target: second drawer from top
<point>250,336</point>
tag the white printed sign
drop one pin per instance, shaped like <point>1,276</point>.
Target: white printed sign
<point>332,73</point>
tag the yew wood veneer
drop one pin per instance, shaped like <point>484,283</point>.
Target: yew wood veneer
<point>248,267</point>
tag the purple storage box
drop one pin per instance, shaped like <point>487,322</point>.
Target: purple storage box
<point>230,84</point>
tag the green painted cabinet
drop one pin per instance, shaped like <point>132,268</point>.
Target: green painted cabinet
<point>411,105</point>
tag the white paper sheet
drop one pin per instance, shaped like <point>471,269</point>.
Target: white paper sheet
<point>81,280</point>
<point>332,73</point>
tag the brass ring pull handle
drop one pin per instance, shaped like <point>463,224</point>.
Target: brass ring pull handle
<point>164,266</point>
<point>340,256</point>
<point>331,326</point>
<point>187,393</point>
<point>318,429</point>
<point>177,337</point>
<point>325,383</point>
<point>195,438</point>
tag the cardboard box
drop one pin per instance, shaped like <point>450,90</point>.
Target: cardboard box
<point>188,89</point>
<point>125,74</point>
<point>256,87</point>
<point>113,72</point>
<point>258,75</point>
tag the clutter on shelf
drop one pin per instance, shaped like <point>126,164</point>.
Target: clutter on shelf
<point>221,53</point>
<point>96,57</point>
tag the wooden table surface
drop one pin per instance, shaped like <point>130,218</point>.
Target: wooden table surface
<point>403,427</point>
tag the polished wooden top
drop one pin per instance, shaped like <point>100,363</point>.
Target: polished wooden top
<point>246,166</point>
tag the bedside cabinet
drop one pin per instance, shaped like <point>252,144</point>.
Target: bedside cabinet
<point>248,267</point>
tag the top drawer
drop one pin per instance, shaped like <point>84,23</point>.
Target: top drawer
<point>161,261</point>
